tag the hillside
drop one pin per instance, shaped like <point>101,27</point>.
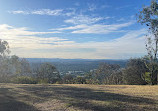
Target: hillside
<point>62,97</point>
<point>85,65</point>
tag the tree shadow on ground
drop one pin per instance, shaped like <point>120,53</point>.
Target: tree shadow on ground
<point>82,98</point>
<point>9,103</point>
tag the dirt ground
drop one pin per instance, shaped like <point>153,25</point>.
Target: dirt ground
<point>76,97</point>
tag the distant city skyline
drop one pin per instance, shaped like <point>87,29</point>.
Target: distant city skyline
<point>70,29</point>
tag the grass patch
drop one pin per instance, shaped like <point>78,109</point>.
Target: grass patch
<point>76,97</point>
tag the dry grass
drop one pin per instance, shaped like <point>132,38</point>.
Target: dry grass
<point>77,97</point>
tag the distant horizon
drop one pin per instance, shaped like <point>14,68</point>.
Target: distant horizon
<point>76,58</point>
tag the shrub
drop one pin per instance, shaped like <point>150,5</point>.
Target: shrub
<point>68,79</point>
<point>80,80</point>
<point>132,74</point>
<point>42,81</point>
<point>24,80</point>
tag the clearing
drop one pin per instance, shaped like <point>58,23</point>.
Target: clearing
<point>77,97</point>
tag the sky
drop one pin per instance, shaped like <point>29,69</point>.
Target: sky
<point>73,29</point>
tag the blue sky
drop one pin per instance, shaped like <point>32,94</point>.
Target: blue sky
<point>87,29</point>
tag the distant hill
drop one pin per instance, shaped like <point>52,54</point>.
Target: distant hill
<point>65,65</point>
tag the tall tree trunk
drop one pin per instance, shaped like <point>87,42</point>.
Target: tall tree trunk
<point>154,79</point>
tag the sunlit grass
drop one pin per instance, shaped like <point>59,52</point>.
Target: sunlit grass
<point>69,97</point>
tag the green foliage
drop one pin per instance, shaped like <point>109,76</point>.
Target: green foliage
<point>115,78</point>
<point>91,78</point>
<point>147,77</point>
<point>68,79</point>
<point>105,71</point>
<point>48,72</point>
<point>113,74</point>
<point>105,74</point>
<point>4,48</point>
<point>149,16</point>
<point>24,80</point>
<point>43,81</point>
<point>92,81</point>
<point>132,74</point>
<point>151,74</point>
<point>79,80</point>
<point>16,70</point>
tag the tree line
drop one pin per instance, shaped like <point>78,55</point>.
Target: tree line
<point>18,70</point>
<point>135,73</point>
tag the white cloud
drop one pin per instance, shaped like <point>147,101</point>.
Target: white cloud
<point>55,12</point>
<point>28,44</point>
<point>121,19</point>
<point>108,17</point>
<point>69,11</point>
<point>83,19</point>
<point>72,27</point>
<point>47,12</point>
<point>22,38</point>
<point>132,44</point>
<point>18,12</point>
<point>10,30</point>
<point>96,28</point>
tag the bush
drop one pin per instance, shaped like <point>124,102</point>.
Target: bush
<point>68,79</point>
<point>24,80</point>
<point>132,74</point>
<point>47,73</point>
<point>42,81</point>
<point>92,81</point>
<point>115,78</point>
<point>80,80</point>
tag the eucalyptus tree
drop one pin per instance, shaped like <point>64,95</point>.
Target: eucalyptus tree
<point>4,48</point>
<point>49,72</point>
<point>149,16</point>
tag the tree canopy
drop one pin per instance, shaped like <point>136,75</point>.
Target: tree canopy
<point>4,48</point>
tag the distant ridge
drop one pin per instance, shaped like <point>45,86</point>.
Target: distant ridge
<point>71,60</point>
<point>85,65</point>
